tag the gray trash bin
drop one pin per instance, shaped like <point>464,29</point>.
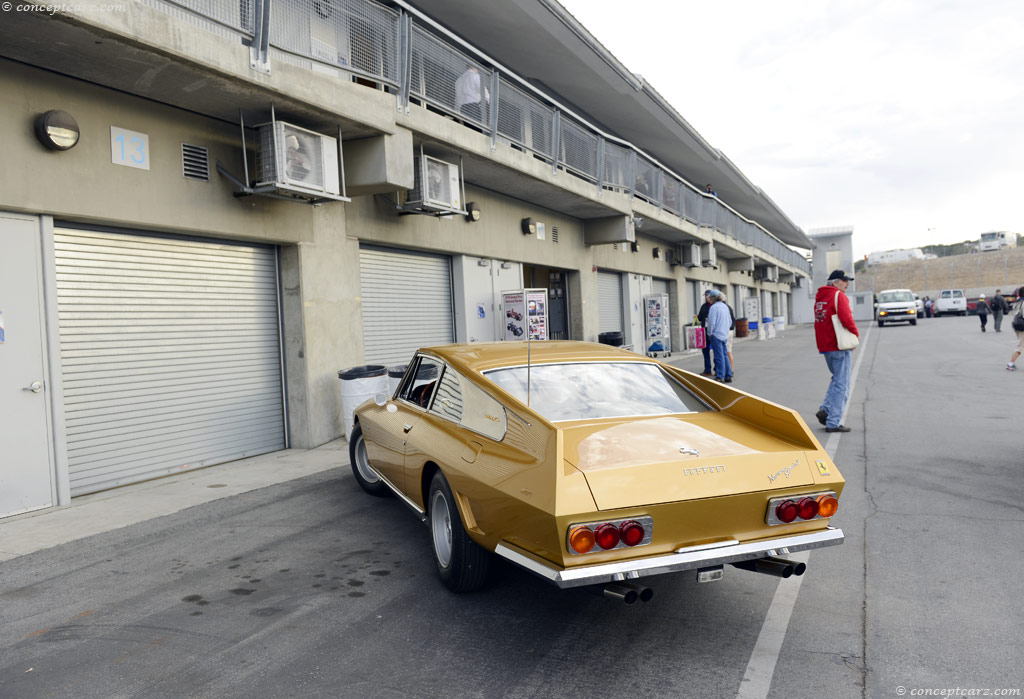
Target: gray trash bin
<point>358,385</point>
<point>395,375</point>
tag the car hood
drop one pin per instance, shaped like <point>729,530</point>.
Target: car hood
<point>897,305</point>
<point>641,462</point>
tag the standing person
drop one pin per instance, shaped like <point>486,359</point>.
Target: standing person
<point>927,306</point>
<point>470,97</point>
<point>718,329</point>
<point>702,317</point>
<point>1018,310</point>
<point>982,309</point>
<point>732,334</point>
<point>710,190</point>
<point>999,306</point>
<point>831,301</point>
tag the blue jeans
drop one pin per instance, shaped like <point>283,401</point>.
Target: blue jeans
<point>706,350</point>
<point>722,368</point>
<point>839,387</point>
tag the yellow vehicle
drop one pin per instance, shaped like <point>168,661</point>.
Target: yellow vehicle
<point>587,464</point>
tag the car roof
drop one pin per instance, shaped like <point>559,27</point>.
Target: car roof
<point>482,356</point>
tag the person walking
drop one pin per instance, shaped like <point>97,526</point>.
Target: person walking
<point>831,300</point>
<point>981,308</point>
<point>719,321</point>
<point>999,306</point>
<point>702,318</point>
<point>1018,326</point>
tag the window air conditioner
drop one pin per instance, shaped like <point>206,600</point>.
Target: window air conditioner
<point>438,185</point>
<point>297,161</point>
<point>691,254</point>
<point>709,259</point>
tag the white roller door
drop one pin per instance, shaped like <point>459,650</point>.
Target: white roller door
<point>407,303</point>
<point>170,354</point>
<point>609,301</point>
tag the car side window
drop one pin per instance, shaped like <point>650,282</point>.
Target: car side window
<point>461,401</point>
<point>448,403</point>
<point>945,294</point>
<point>958,294</point>
<point>420,384</point>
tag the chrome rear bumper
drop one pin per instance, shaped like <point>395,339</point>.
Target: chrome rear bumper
<point>691,558</point>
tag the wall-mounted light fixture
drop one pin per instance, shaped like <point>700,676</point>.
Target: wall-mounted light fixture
<point>57,130</point>
<point>634,247</point>
<point>472,211</point>
<point>658,253</point>
<point>529,226</point>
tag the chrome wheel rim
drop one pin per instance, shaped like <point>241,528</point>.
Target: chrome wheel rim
<point>366,471</point>
<point>441,528</point>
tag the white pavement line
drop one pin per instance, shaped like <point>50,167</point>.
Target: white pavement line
<point>757,679</point>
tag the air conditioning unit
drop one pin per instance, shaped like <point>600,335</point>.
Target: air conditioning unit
<point>438,186</point>
<point>298,162</point>
<point>709,259</point>
<point>771,273</point>
<point>691,254</point>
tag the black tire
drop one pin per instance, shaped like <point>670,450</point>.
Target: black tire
<point>913,322</point>
<point>461,563</point>
<point>366,477</point>
<point>881,323</point>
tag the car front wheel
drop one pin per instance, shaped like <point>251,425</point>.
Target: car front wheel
<point>461,563</point>
<point>913,322</point>
<point>368,479</point>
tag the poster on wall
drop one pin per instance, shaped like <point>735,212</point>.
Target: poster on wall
<point>526,314</point>
<point>656,320</point>
<point>513,303</point>
<point>537,313</point>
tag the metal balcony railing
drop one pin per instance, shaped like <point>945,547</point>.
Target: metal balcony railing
<point>406,54</point>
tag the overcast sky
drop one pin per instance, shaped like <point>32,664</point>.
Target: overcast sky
<point>895,116</point>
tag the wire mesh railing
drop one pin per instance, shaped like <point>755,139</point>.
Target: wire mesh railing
<point>450,80</point>
<point>357,36</point>
<point>524,121</point>
<point>225,17</point>
<point>647,180</point>
<point>577,149</point>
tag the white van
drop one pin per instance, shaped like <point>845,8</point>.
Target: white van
<point>951,302</point>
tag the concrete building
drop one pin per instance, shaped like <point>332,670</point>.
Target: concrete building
<point>170,300</point>
<point>832,249</point>
<point>890,256</point>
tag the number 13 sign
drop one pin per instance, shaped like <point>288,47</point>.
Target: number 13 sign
<point>129,148</point>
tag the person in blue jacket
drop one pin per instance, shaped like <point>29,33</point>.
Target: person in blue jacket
<point>718,324</point>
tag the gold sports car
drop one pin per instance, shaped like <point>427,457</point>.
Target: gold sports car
<point>587,464</point>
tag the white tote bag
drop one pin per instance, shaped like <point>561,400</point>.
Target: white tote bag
<point>845,339</point>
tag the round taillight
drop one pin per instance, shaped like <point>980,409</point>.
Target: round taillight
<point>827,505</point>
<point>632,533</point>
<point>607,536</point>
<point>581,539</point>
<point>786,511</point>
<point>808,508</point>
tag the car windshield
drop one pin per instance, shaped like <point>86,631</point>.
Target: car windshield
<point>890,296</point>
<point>597,390</point>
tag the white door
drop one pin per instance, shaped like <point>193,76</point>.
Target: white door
<point>478,283</point>
<point>25,468</point>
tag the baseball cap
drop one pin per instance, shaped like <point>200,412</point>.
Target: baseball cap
<point>839,274</point>
<point>981,296</point>
<point>714,293</point>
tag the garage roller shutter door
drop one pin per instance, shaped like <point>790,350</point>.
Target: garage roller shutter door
<point>407,303</point>
<point>170,354</point>
<point>609,301</point>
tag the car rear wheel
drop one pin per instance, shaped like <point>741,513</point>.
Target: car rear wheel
<point>461,563</point>
<point>368,479</point>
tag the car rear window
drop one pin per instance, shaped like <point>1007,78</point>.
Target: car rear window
<point>588,390</point>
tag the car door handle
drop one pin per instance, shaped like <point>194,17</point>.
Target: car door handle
<point>35,387</point>
<point>406,428</point>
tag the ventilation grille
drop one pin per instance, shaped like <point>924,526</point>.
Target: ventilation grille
<point>195,162</point>
<point>554,234</point>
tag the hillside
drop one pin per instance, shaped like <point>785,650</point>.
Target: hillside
<point>979,272</point>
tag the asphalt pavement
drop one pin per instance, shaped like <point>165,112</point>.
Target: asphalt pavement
<point>297,584</point>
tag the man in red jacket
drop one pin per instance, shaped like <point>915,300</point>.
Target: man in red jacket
<point>831,300</point>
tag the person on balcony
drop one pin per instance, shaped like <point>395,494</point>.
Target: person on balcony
<point>472,98</point>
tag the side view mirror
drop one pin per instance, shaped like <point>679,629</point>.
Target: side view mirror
<point>380,399</point>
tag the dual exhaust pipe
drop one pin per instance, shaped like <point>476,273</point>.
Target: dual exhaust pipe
<point>778,567</point>
<point>627,592</point>
<point>630,593</point>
